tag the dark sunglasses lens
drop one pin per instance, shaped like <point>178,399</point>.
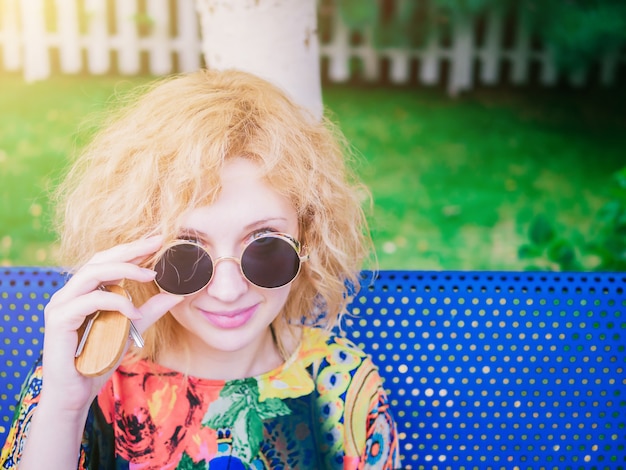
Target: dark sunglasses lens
<point>270,262</point>
<point>183,269</point>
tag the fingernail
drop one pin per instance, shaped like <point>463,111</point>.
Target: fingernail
<point>154,238</point>
<point>179,298</point>
<point>149,273</point>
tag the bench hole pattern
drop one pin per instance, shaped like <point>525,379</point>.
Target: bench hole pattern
<point>500,370</point>
<point>24,292</point>
<point>484,370</point>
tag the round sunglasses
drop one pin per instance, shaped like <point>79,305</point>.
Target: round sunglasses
<point>269,260</point>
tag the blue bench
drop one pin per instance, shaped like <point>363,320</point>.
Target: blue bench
<point>484,369</point>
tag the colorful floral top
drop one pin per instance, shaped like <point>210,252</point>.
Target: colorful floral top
<point>325,408</point>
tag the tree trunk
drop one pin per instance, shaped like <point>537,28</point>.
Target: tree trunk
<point>274,39</point>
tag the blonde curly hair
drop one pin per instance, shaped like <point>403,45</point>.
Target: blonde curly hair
<point>161,154</point>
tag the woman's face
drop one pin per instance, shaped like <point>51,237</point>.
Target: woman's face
<point>231,314</point>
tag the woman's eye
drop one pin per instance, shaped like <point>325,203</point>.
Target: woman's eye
<point>263,240</point>
<point>262,233</point>
<point>191,239</point>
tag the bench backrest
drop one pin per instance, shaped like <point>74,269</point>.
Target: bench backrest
<point>484,369</point>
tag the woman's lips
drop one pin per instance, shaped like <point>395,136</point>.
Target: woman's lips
<point>231,319</point>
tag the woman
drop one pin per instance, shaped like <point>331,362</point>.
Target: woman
<point>230,218</point>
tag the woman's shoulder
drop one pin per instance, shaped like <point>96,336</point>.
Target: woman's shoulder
<point>322,343</point>
<point>330,352</point>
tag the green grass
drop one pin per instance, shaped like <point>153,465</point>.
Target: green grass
<point>455,181</point>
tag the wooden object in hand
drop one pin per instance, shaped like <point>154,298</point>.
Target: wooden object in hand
<point>107,333</point>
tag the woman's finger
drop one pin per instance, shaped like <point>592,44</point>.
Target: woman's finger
<point>154,308</point>
<point>91,276</point>
<point>127,252</point>
<point>70,315</point>
<point>109,267</point>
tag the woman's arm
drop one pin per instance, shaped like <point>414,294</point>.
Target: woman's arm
<point>52,430</point>
<point>54,436</point>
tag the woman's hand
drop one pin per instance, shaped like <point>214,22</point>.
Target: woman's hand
<point>63,387</point>
<point>56,429</point>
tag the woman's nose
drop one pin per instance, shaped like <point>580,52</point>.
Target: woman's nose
<point>228,283</point>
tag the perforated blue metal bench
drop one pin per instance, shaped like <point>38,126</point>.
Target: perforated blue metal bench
<point>484,369</point>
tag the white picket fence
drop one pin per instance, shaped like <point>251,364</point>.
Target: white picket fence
<point>104,36</point>
<point>85,40</point>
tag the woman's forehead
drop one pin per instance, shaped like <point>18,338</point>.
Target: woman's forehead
<point>246,201</point>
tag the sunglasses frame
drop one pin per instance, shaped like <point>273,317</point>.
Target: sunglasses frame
<point>295,244</point>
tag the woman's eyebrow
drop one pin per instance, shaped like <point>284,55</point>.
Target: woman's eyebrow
<point>190,233</point>
<point>262,222</point>
<point>194,233</point>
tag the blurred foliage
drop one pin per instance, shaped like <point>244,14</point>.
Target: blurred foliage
<point>576,32</point>
<point>604,249</point>
<point>579,31</point>
<point>548,248</point>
